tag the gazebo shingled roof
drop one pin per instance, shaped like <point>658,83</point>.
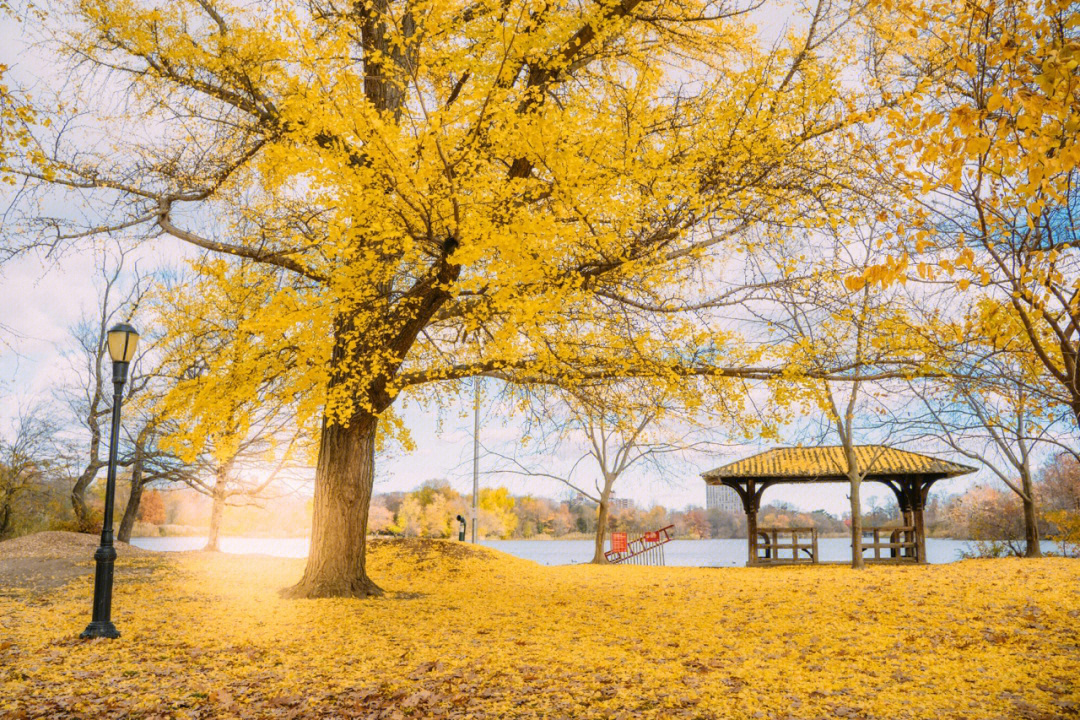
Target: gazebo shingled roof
<point>826,464</point>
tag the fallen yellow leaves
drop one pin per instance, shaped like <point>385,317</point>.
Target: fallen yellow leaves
<point>466,632</point>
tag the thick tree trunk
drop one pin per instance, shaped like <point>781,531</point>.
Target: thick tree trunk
<point>216,509</point>
<point>1031,530</point>
<point>1031,518</point>
<point>1076,399</point>
<point>857,560</point>
<point>343,482</point>
<point>131,510</point>
<point>131,513</point>
<point>601,532</point>
<point>602,513</point>
<point>78,495</point>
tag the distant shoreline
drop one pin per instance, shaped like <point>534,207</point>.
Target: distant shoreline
<point>165,531</point>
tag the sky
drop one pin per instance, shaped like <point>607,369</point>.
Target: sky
<point>43,298</point>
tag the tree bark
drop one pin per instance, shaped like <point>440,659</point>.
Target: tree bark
<point>1031,518</point>
<point>131,510</point>
<point>95,463</point>
<point>601,532</point>
<point>343,480</point>
<point>857,560</point>
<point>602,513</point>
<point>78,493</point>
<point>216,509</point>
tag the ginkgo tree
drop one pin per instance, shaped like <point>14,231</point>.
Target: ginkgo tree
<point>16,115</point>
<point>830,318</point>
<point>438,189</point>
<point>986,155</point>
<point>241,447</point>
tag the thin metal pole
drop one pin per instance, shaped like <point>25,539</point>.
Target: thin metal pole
<point>105,557</point>
<point>475,455</point>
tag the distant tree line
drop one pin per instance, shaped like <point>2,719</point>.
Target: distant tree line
<point>52,460</point>
<point>990,516</point>
<point>35,480</point>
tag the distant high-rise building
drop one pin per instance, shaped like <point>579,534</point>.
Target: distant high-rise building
<point>722,498</point>
<point>581,500</point>
<point>614,503</point>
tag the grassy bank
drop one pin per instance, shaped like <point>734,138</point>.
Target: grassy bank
<point>471,632</point>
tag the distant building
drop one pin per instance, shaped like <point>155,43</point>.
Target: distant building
<point>614,503</point>
<point>581,500</point>
<point>722,497</point>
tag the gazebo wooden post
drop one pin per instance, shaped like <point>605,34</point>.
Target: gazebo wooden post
<point>750,503</point>
<point>916,498</point>
<point>920,535</point>
<point>920,491</point>
<point>909,521</point>
<point>906,513</point>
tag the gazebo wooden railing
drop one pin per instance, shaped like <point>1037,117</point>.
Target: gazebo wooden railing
<point>771,541</point>
<point>799,545</point>
<point>906,548</point>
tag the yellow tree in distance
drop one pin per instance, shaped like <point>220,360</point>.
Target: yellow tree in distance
<point>240,447</point>
<point>431,190</point>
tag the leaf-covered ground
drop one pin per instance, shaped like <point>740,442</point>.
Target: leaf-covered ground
<point>466,632</point>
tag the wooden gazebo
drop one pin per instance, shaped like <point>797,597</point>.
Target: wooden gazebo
<point>908,474</point>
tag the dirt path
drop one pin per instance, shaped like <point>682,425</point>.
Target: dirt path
<point>48,560</point>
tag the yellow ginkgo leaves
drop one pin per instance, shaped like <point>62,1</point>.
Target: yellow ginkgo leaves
<point>474,633</point>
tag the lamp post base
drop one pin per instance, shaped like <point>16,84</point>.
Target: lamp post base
<point>100,629</point>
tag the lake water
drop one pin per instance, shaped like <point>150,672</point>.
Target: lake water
<point>690,553</point>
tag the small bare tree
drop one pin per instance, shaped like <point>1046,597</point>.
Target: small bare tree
<point>28,459</point>
<point>826,320</point>
<point>614,427</point>
<point>89,395</point>
<point>987,413</point>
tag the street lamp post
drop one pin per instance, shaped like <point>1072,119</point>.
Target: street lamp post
<point>122,341</point>
<point>475,455</point>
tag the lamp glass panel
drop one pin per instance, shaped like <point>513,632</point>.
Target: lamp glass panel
<point>122,345</point>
